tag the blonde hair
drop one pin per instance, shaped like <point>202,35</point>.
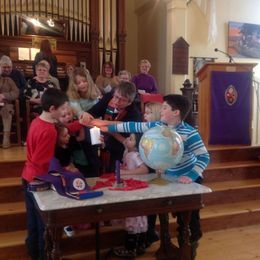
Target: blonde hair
<point>145,62</point>
<point>124,72</point>
<point>155,108</point>
<point>92,91</point>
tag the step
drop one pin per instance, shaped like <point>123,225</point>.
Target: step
<point>12,216</point>
<point>11,169</point>
<point>229,215</point>
<point>222,153</point>
<point>238,170</point>
<point>232,191</point>
<point>11,190</point>
<point>235,184</point>
<point>12,161</point>
<point>12,245</point>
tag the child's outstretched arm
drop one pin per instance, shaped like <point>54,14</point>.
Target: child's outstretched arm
<point>132,127</point>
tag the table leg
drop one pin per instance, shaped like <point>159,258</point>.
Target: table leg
<point>97,241</point>
<point>167,250</point>
<point>48,242</point>
<point>56,234</point>
<point>185,248</point>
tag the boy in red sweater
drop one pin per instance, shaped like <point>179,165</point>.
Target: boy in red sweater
<point>41,141</point>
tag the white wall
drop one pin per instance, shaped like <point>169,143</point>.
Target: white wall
<point>131,38</point>
<point>226,10</point>
<point>146,29</point>
<point>147,36</point>
<point>150,37</point>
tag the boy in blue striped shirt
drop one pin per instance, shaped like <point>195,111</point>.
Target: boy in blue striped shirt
<point>195,157</point>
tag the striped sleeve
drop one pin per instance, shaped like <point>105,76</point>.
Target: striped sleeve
<point>197,147</point>
<point>131,127</point>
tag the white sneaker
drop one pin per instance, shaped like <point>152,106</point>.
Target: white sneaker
<point>69,231</point>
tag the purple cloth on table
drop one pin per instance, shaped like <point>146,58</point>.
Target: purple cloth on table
<point>145,82</point>
<point>230,122</point>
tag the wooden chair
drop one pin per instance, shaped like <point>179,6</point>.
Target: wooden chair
<point>146,97</point>
<point>15,133</point>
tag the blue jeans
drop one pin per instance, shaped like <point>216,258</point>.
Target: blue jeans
<point>35,227</point>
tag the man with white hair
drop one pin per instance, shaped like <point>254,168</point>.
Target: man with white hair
<point>7,69</point>
<point>8,93</point>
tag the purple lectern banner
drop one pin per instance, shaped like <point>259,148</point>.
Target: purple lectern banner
<point>230,121</point>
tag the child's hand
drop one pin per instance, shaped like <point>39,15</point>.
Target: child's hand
<point>71,168</point>
<point>104,129</point>
<point>99,122</point>
<point>102,140</point>
<point>184,179</point>
<point>81,135</point>
<point>85,118</point>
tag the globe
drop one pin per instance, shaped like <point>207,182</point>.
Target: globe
<point>161,148</point>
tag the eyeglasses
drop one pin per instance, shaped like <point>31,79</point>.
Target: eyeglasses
<point>120,99</point>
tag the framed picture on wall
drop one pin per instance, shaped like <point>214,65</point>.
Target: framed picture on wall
<point>42,26</point>
<point>244,40</point>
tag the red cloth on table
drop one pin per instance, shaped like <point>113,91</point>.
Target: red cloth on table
<point>128,184</point>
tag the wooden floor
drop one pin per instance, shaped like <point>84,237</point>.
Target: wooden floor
<point>232,244</point>
<point>15,153</point>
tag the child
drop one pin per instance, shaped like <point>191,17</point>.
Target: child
<point>136,227</point>
<point>62,151</point>
<point>195,158</point>
<point>152,113</point>
<point>64,155</point>
<point>82,91</point>
<point>77,135</point>
<point>41,141</point>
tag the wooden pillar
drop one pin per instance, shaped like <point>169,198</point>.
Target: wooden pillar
<point>121,35</point>
<point>94,37</point>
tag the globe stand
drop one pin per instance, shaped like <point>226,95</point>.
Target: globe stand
<point>159,173</point>
<point>158,180</point>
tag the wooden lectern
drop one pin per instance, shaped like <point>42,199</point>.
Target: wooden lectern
<point>205,114</point>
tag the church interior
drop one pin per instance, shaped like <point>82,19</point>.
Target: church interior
<point>191,45</point>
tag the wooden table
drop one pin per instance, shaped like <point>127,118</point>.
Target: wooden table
<point>58,211</point>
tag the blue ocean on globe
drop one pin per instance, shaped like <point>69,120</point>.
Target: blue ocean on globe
<point>161,148</point>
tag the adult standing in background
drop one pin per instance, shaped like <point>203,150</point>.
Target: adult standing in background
<point>145,82</point>
<point>46,54</point>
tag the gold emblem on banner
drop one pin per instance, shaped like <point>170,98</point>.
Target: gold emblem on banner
<point>231,95</point>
